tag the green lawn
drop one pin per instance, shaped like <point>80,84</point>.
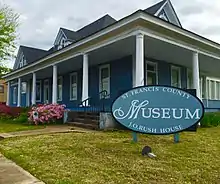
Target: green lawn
<point>111,158</point>
<point>6,127</point>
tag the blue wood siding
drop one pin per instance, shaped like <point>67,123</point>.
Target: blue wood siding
<point>164,73</point>
<point>11,95</point>
<point>120,80</point>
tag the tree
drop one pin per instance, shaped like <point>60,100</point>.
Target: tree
<point>4,70</point>
<point>8,27</point>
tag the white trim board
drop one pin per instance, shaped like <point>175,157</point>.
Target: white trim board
<point>48,85</point>
<point>60,34</point>
<point>109,79</point>
<point>60,78</point>
<point>111,28</point>
<point>70,85</point>
<point>131,18</point>
<point>180,78</point>
<point>122,36</point>
<point>160,9</point>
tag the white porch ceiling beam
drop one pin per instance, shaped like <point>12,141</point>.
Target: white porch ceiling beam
<point>181,31</point>
<point>119,24</point>
<point>138,15</point>
<point>109,41</point>
<point>178,43</point>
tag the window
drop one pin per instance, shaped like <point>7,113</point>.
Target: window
<point>22,61</point>
<point>14,97</point>
<point>46,91</point>
<point>104,81</point>
<point>151,73</point>
<point>59,88</point>
<point>1,88</point>
<point>62,43</point>
<point>213,88</point>
<point>67,43</point>
<point>23,87</point>
<point>202,81</point>
<point>38,91</point>
<point>163,16</point>
<point>175,76</point>
<point>73,86</point>
<point>218,90</point>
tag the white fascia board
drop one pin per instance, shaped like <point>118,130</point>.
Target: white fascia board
<point>179,30</point>
<point>135,16</point>
<point>160,9</point>
<point>109,29</point>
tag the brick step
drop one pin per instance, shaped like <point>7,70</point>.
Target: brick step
<point>86,121</point>
<point>83,125</point>
<point>92,119</point>
<point>84,113</point>
<point>88,117</point>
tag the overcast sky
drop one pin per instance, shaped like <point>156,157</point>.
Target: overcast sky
<point>40,20</point>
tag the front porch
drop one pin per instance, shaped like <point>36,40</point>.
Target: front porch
<point>97,77</point>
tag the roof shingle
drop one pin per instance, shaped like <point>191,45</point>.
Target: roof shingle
<point>153,9</point>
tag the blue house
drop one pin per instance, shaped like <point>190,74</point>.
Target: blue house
<point>91,66</point>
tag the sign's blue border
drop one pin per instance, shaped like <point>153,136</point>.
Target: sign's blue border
<point>203,108</point>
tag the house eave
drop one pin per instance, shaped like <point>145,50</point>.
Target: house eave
<point>138,18</point>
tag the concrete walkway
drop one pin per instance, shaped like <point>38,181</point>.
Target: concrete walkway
<point>48,130</point>
<point>10,173</point>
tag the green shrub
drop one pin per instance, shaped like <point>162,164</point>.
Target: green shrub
<point>211,119</point>
<point>25,109</point>
<point>22,118</point>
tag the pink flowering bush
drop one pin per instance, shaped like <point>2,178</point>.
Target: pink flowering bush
<point>48,113</point>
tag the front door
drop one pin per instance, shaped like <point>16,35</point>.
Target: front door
<point>46,92</point>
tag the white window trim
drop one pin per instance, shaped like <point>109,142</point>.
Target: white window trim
<point>39,81</point>
<point>163,16</point>
<point>208,80</point>
<point>14,95</point>
<point>203,77</point>
<point>46,80</point>
<point>146,70</point>
<point>22,61</point>
<point>72,74</point>
<point>100,83</point>
<point>179,68</point>
<point>61,79</point>
<point>24,92</point>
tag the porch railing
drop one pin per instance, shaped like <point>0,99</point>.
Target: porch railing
<point>88,104</point>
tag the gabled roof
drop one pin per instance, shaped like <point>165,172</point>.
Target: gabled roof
<point>71,35</point>
<point>96,26</point>
<point>31,54</point>
<point>178,20</point>
<point>153,9</point>
<point>88,29</point>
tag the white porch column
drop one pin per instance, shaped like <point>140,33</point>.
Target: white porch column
<point>195,66</point>
<point>28,94</point>
<point>8,94</point>
<point>54,92</point>
<point>139,69</point>
<point>19,93</point>
<point>33,99</point>
<point>85,82</point>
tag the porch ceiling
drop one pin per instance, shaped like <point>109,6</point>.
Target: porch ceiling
<point>164,51</point>
<point>155,49</point>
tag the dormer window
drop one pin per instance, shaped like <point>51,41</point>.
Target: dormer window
<point>62,43</point>
<point>163,16</point>
<point>66,43</point>
<point>22,62</point>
